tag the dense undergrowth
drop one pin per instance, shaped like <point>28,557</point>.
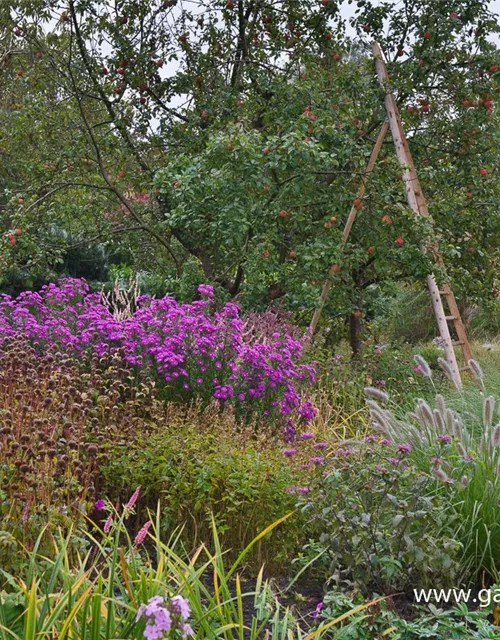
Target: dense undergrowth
<point>378,485</point>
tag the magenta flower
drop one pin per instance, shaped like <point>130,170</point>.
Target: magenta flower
<point>141,536</point>
<point>444,438</point>
<point>133,499</point>
<point>289,453</point>
<point>404,448</point>
<point>108,523</point>
<point>99,505</point>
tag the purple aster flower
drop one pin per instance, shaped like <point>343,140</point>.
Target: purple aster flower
<point>320,445</point>
<point>307,435</point>
<point>99,505</point>
<point>436,461</point>
<point>394,461</point>
<point>386,442</point>
<point>444,438</point>
<point>289,453</point>
<point>206,290</point>
<point>318,460</point>
<point>370,438</point>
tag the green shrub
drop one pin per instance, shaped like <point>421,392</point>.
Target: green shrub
<point>386,525</point>
<point>201,463</point>
<point>464,449</point>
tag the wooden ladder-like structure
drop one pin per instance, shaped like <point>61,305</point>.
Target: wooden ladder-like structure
<point>418,205</point>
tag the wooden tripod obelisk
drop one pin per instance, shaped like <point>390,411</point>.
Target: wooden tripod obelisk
<point>418,205</point>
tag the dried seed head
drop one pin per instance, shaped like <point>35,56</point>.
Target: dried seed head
<point>424,365</point>
<point>440,475</point>
<point>495,436</point>
<point>424,410</point>
<point>438,419</point>
<point>488,409</point>
<point>379,395</point>
<point>441,404</point>
<point>445,366</point>
<point>464,481</point>
<point>461,450</point>
<point>475,369</point>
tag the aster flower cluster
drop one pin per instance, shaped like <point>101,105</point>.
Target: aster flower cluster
<point>197,350</point>
<point>165,619</point>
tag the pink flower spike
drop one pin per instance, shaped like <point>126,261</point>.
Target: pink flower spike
<point>133,499</point>
<point>141,536</point>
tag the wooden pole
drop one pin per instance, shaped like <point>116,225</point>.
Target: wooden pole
<point>416,202</point>
<point>348,225</point>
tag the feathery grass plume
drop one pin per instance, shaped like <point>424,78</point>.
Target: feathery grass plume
<point>458,429</point>
<point>424,365</point>
<point>378,394</point>
<point>495,436</point>
<point>464,481</point>
<point>413,416</point>
<point>488,409</point>
<point>438,419</point>
<point>498,468</point>
<point>445,366</point>
<point>449,419</point>
<point>461,450</point>
<point>441,404</point>
<point>476,370</point>
<point>440,475</point>
<point>425,411</point>
<point>379,420</point>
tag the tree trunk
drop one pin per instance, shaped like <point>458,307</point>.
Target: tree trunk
<point>355,328</point>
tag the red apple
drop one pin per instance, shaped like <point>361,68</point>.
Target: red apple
<point>337,57</point>
<point>266,254</point>
<point>20,73</point>
<point>18,231</point>
<point>483,172</point>
<point>283,214</point>
<point>399,241</point>
<point>366,28</point>
<point>12,240</point>
<point>333,219</point>
<point>494,68</point>
<point>401,52</point>
<point>336,268</point>
<point>204,114</point>
<point>230,147</point>
<point>266,151</point>
<point>427,35</point>
<point>142,100</point>
<point>469,195</point>
<point>292,254</point>
<point>371,250</point>
<point>357,204</point>
<point>466,103</point>
<point>120,71</point>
